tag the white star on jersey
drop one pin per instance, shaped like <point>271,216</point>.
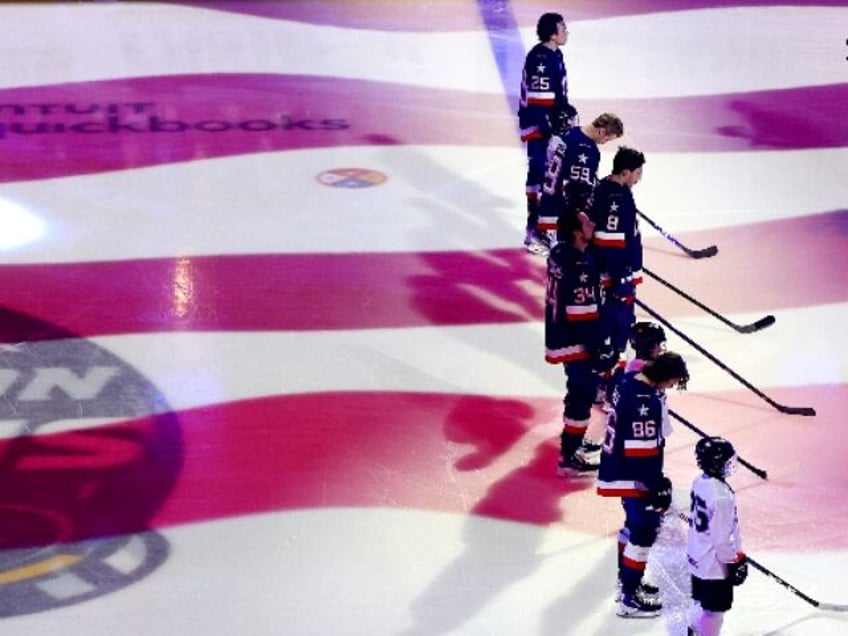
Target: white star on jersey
<point>643,410</point>
<point>540,68</point>
<point>582,158</point>
<point>584,277</point>
<point>614,207</point>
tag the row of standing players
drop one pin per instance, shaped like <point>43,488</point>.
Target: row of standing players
<point>588,230</point>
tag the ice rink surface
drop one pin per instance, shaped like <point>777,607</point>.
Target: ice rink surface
<point>272,356</point>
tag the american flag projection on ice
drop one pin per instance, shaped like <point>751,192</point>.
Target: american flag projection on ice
<point>267,323</point>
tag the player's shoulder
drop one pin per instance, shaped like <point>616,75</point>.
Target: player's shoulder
<point>541,52</point>
<point>633,388</point>
<point>710,488</point>
<point>562,254</point>
<point>608,188</point>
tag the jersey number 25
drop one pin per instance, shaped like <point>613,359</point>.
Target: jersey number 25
<point>698,517</point>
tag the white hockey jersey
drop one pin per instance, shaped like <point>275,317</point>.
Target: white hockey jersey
<point>714,539</point>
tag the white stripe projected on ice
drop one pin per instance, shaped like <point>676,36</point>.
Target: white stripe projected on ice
<point>124,40</point>
<point>704,52</point>
<point>476,192</point>
<point>648,55</point>
<point>196,369</point>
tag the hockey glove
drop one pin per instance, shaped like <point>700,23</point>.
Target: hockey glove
<point>660,497</point>
<point>604,359</point>
<point>622,291</point>
<point>737,572</point>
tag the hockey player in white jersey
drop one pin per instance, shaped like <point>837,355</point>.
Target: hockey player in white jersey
<point>714,547</point>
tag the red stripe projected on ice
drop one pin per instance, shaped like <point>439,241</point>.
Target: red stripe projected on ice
<point>342,449</point>
<point>481,455</point>
<point>94,127</point>
<point>298,292</point>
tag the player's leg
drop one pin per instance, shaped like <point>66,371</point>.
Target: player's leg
<point>579,396</point>
<point>643,526</point>
<point>534,240</point>
<point>712,599</point>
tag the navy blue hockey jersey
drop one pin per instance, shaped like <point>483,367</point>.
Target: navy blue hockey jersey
<point>617,241</point>
<point>632,454</point>
<point>570,176</point>
<point>544,90</point>
<point>573,329</point>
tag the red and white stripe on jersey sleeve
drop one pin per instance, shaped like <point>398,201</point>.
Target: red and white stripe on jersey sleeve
<point>581,313</point>
<point>541,98</point>
<point>531,132</point>
<point>621,488</point>
<point>641,447</point>
<point>566,354</point>
<point>610,239</point>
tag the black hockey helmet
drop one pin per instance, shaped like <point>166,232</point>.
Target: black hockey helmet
<point>561,121</point>
<point>715,456</point>
<point>645,336</point>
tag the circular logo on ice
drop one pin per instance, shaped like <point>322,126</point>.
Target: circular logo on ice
<point>89,449</point>
<point>351,178</point>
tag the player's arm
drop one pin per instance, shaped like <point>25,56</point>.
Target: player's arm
<point>723,528</point>
<point>552,200</point>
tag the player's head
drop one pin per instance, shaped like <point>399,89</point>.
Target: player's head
<point>606,127</point>
<point>647,339</point>
<point>578,227</point>
<point>561,121</point>
<point>551,25</point>
<point>627,165</point>
<point>667,370</point>
<point>715,456</point>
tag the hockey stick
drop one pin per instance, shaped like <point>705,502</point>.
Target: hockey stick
<point>791,410</point>
<point>830,607</point>
<point>712,250</point>
<point>759,472</point>
<point>762,323</point>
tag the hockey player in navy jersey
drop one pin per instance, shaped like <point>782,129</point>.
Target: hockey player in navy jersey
<point>618,244</point>
<point>574,337</point>
<point>714,545</point>
<point>543,99</point>
<point>647,340</point>
<point>618,248</point>
<point>631,467</point>
<point>571,170</point>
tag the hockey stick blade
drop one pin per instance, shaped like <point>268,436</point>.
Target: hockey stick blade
<point>759,472</point>
<point>707,252</point>
<point>806,411</point>
<point>832,607</point>
<point>762,323</point>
